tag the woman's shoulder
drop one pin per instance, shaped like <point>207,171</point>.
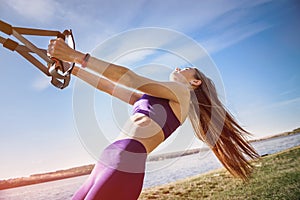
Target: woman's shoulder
<point>171,90</point>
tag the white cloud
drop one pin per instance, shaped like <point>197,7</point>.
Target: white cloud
<point>133,40</point>
<point>294,102</point>
<point>41,83</point>
<point>221,24</point>
<point>232,36</point>
<point>183,15</point>
<point>99,21</point>
<point>170,59</point>
<point>290,91</point>
<point>36,10</point>
<point>266,119</point>
<point>135,56</point>
<point>235,24</point>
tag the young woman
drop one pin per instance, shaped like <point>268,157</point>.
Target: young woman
<point>159,109</point>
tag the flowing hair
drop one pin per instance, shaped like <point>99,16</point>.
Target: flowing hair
<point>214,125</point>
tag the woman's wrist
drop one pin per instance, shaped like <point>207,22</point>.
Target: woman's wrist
<point>85,60</point>
<point>79,57</point>
<point>82,59</point>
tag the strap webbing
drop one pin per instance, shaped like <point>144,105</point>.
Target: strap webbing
<point>39,32</point>
<point>59,80</point>
<point>32,47</point>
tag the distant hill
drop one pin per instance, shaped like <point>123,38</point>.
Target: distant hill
<point>295,131</point>
<point>45,177</point>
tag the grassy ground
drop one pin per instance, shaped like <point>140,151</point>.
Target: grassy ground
<point>275,176</point>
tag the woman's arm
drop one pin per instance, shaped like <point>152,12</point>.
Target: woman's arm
<point>124,76</point>
<point>107,86</point>
<point>120,75</point>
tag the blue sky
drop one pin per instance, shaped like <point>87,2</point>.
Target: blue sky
<point>255,46</point>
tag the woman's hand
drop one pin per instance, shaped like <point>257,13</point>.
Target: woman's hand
<point>60,50</point>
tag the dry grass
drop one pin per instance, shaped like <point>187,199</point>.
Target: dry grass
<point>275,177</point>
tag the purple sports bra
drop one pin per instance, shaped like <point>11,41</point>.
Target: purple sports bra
<point>159,110</point>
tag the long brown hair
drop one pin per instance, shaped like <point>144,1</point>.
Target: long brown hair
<point>214,125</point>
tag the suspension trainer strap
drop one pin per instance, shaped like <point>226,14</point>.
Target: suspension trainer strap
<point>32,47</point>
<point>58,70</point>
<point>8,29</point>
<point>5,28</point>
<point>25,52</point>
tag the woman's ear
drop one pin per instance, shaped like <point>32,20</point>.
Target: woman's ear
<point>195,82</point>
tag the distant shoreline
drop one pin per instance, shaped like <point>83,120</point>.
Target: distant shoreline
<point>46,177</point>
<point>295,131</point>
<point>86,169</point>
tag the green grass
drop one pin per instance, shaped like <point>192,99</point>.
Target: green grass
<point>275,176</point>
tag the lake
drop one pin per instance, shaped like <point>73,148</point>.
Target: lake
<point>158,172</point>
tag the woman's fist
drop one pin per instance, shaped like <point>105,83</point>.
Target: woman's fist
<point>57,48</point>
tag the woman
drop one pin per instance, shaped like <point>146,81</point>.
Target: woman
<point>159,109</point>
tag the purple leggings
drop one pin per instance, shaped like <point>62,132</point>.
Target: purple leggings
<point>118,175</point>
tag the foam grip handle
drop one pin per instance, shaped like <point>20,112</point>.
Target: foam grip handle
<point>61,35</point>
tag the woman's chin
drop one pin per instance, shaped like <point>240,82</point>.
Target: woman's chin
<point>173,77</point>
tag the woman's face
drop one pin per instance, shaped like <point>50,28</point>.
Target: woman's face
<point>184,75</point>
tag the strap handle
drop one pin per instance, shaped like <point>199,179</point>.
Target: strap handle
<point>58,70</point>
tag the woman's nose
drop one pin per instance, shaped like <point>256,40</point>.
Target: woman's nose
<point>177,69</point>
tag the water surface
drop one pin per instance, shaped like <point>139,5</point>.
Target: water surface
<point>158,172</point>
